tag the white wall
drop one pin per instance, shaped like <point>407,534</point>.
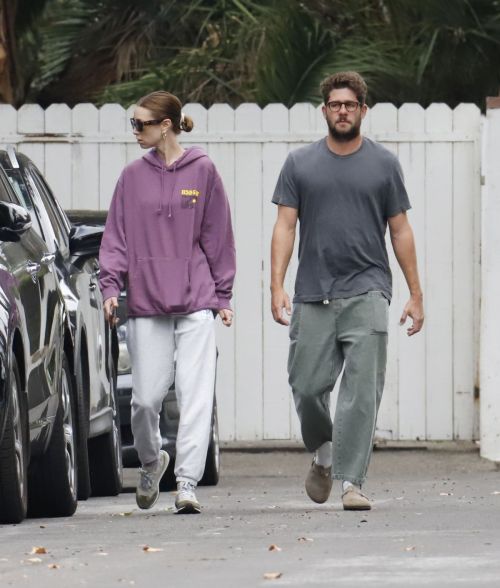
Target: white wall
<point>430,383</point>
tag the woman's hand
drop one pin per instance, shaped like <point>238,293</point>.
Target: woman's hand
<point>110,307</point>
<point>227,316</point>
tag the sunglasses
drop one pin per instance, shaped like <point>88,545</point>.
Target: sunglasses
<point>335,106</point>
<point>138,125</point>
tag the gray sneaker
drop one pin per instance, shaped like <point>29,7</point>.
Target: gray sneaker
<point>319,483</point>
<point>185,501</point>
<point>148,488</point>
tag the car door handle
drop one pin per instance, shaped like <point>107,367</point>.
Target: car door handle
<point>48,258</point>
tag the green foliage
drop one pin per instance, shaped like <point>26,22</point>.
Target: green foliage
<point>256,50</point>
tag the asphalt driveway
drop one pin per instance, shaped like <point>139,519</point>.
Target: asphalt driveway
<point>436,522</point>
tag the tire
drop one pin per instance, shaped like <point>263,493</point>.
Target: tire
<point>212,464</point>
<point>82,433</point>
<point>14,454</point>
<point>53,478</point>
<point>105,454</point>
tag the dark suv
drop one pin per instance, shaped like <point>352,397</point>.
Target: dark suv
<point>59,425</point>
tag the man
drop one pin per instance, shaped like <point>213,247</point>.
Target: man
<point>345,189</point>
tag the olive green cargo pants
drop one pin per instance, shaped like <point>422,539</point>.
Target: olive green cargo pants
<point>349,333</point>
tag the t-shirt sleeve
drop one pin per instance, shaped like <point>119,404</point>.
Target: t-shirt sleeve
<point>286,192</point>
<point>396,200</point>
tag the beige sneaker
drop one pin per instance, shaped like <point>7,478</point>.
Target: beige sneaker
<point>319,483</point>
<point>353,499</point>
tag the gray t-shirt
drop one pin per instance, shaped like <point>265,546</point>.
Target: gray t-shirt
<point>343,204</point>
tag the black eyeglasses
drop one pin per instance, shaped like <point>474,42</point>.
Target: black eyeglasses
<point>350,105</point>
<point>138,124</point>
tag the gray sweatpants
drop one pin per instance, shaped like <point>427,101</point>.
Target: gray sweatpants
<point>349,333</point>
<point>153,342</point>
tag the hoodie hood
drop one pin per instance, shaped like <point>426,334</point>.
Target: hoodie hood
<point>190,154</point>
<point>154,158</point>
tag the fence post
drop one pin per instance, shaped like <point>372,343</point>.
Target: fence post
<point>490,276</point>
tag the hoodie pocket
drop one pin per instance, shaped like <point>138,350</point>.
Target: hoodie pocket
<point>159,284</point>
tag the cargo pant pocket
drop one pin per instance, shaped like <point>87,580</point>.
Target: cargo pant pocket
<point>379,311</point>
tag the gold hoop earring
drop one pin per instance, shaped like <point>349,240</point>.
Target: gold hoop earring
<point>164,135</point>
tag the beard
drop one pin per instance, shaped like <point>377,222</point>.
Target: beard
<point>345,136</point>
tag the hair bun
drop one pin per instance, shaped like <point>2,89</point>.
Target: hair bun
<point>186,123</point>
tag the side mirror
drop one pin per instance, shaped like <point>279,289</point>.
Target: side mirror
<point>14,222</point>
<point>85,240</point>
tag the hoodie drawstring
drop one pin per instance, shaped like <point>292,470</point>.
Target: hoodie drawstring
<point>159,210</point>
<point>160,204</point>
<point>172,192</point>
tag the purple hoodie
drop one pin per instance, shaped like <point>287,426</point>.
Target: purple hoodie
<point>168,237</point>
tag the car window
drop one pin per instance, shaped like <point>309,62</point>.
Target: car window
<point>4,190</point>
<point>22,191</point>
<point>58,219</point>
<point>51,238</point>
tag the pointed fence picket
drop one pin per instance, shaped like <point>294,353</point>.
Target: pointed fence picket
<point>431,377</point>
<point>412,351</point>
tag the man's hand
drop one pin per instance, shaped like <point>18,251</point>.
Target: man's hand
<point>280,301</point>
<point>227,316</point>
<point>110,307</point>
<point>414,309</point>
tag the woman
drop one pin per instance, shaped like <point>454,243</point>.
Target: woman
<point>168,240</point>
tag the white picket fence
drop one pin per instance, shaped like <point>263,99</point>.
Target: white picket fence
<point>431,378</point>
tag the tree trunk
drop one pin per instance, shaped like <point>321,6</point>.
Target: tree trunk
<point>7,51</point>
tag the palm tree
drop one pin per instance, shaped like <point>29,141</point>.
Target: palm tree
<point>108,50</point>
<point>247,50</point>
<point>424,51</point>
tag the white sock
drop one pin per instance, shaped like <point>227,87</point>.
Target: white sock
<point>346,484</point>
<point>323,455</point>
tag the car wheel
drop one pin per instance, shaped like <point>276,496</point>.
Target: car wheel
<point>82,428</point>
<point>105,453</point>
<point>53,478</point>
<point>14,454</point>
<point>212,464</point>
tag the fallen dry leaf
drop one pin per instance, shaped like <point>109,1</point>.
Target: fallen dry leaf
<point>496,492</point>
<point>274,547</point>
<point>126,514</point>
<point>446,494</point>
<point>272,575</point>
<point>303,539</point>
<point>34,560</point>
<point>39,550</point>
<point>410,548</point>
<point>149,549</point>
<point>53,566</point>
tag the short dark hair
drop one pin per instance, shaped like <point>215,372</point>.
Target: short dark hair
<point>344,79</point>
